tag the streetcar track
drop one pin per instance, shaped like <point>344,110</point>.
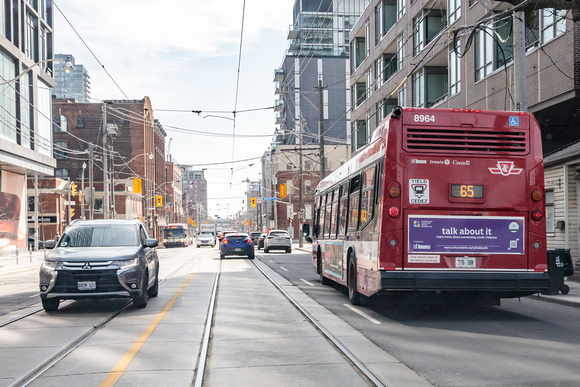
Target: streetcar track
<point>42,368</point>
<point>327,334</point>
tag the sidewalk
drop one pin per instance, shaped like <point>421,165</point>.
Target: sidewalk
<point>570,299</point>
<point>24,261</point>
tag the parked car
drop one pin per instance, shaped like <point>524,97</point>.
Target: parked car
<point>205,239</point>
<point>31,240</point>
<point>261,240</point>
<point>237,244</point>
<point>278,240</point>
<point>100,259</point>
<point>255,236</point>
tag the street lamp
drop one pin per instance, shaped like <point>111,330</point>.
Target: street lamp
<point>67,68</point>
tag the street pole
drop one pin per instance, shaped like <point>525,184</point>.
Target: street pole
<point>321,130</point>
<point>69,189</point>
<point>300,188</point>
<point>114,211</point>
<point>36,213</point>
<point>520,85</point>
<point>91,188</point>
<point>105,168</point>
<point>82,195</point>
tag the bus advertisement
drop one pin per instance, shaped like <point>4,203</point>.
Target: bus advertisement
<point>443,202</point>
<point>176,234</point>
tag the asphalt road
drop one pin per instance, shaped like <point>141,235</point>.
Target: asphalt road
<point>522,342</point>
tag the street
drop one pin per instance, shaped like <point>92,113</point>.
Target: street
<point>259,337</point>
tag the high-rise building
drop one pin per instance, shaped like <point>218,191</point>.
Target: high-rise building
<point>26,76</point>
<point>194,188</point>
<point>311,83</point>
<point>71,85</point>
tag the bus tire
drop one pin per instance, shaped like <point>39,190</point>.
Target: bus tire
<point>353,294</point>
<point>323,279</point>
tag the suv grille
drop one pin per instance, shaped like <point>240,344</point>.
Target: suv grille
<point>107,281</point>
<point>472,140</point>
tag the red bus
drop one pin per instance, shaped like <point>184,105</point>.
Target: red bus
<point>176,234</point>
<point>440,202</point>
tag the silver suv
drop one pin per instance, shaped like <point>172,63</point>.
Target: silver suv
<point>100,259</point>
<point>278,240</point>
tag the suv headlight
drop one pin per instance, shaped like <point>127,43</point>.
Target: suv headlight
<point>52,265</point>
<point>127,263</point>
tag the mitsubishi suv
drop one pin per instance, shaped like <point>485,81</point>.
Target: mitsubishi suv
<point>100,259</point>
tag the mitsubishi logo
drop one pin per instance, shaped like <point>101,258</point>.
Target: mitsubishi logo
<point>87,265</point>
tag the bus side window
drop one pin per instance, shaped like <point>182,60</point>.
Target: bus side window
<point>367,196</point>
<point>354,203</point>
<point>322,216</point>
<point>342,221</point>
<point>329,215</point>
<point>334,223</point>
<point>316,224</point>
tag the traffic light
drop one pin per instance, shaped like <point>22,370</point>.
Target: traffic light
<point>250,222</point>
<point>194,223</point>
<point>290,219</point>
<point>72,212</point>
<point>253,202</point>
<point>159,201</point>
<point>73,189</point>
<point>137,186</point>
<point>283,190</point>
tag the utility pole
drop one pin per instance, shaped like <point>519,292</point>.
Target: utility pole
<point>300,189</point>
<point>114,210</point>
<point>91,188</point>
<point>69,205</point>
<point>520,85</point>
<point>321,130</point>
<point>105,167</point>
<point>82,194</point>
<point>36,213</point>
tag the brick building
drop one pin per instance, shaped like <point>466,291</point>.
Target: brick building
<point>135,144</point>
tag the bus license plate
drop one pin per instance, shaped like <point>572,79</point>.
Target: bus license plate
<point>87,285</point>
<point>465,262</point>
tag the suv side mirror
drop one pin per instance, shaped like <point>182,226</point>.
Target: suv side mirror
<point>150,242</point>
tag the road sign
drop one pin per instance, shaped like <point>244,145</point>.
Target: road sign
<point>268,199</point>
<point>300,214</point>
<point>69,203</point>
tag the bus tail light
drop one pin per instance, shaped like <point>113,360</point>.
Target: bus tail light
<point>537,215</point>
<point>537,194</point>
<point>394,212</point>
<point>394,190</point>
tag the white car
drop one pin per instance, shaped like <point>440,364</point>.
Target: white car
<point>278,240</point>
<point>206,239</point>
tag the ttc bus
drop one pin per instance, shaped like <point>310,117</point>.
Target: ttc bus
<point>446,202</point>
<point>176,234</point>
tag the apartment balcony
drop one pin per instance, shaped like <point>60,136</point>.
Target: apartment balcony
<point>279,75</point>
<point>280,118</point>
<point>292,34</point>
<point>294,45</point>
<point>279,88</point>
<point>279,105</point>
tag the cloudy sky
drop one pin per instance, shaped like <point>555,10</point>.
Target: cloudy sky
<point>184,55</point>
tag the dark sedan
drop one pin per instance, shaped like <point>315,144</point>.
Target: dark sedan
<point>100,259</point>
<point>237,244</point>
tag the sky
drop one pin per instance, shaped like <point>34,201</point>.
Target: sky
<point>184,55</point>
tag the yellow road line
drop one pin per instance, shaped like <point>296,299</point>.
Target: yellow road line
<point>122,365</point>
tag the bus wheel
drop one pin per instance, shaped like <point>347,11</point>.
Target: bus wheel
<point>353,294</point>
<point>323,279</point>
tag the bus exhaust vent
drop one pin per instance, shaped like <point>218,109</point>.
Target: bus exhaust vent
<point>473,140</point>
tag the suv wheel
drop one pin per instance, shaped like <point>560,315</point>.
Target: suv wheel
<point>50,304</point>
<point>141,300</point>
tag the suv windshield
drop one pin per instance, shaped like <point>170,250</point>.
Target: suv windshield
<point>90,236</point>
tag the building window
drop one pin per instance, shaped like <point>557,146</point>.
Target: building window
<point>27,109</point>
<point>436,84</point>
<point>61,173</point>
<point>400,9</point>
<point>390,66</point>
<point>359,51</point>
<point>553,23</point>
<point>7,99</point>
<point>454,10</point>
<point>427,26</point>
<point>489,55</point>
<point>360,93</point>
<point>369,83</point>
<point>60,124</point>
<point>400,52</point>
<point>454,71</point>
<point>550,210</point>
<point>378,73</point>
<point>80,122</point>
<point>418,89</point>
<point>31,49</point>
<point>61,150</point>
<point>360,134</point>
<point>402,96</point>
